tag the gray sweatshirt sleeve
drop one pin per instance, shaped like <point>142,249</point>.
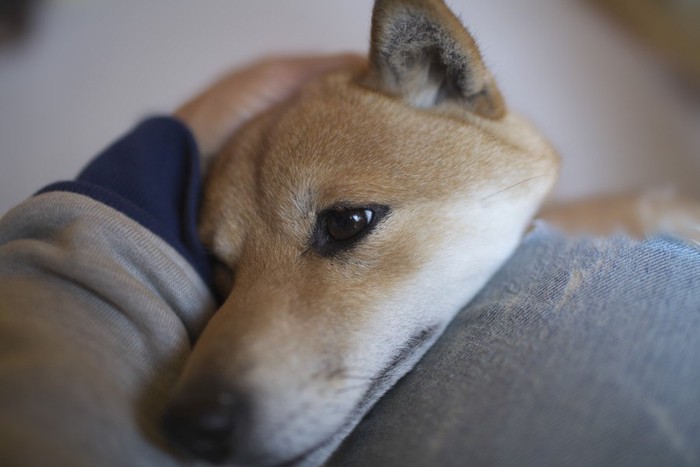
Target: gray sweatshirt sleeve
<point>90,342</point>
<point>104,286</point>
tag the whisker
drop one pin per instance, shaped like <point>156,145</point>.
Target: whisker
<point>512,186</point>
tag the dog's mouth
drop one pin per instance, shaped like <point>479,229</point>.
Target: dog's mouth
<point>380,384</point>
<point>200,427</point>
<point>414,344</point>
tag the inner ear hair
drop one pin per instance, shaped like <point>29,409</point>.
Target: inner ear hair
<point>421,52</point>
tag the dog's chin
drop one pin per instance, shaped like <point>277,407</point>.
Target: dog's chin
<point>283,454</point>
<point>323,445</point>
<point>288,441</point>
<point>298,452</point>
<point>300,459</point>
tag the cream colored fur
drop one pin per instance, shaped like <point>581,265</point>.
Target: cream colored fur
<point>312,341</point>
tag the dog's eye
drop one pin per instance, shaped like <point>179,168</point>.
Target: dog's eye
<point>341,228</point>
<point>343,225</point>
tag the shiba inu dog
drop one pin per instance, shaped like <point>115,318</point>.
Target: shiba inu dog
<point>356,219</point>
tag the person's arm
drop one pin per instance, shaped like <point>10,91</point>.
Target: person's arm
<point>103,288</point>
<point>104,285</point>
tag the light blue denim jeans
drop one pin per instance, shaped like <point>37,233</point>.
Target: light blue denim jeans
<point>579,352</point>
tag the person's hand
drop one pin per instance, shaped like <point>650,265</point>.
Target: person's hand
<point>225,106</point>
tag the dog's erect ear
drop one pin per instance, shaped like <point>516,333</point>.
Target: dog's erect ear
<point>421,52</point>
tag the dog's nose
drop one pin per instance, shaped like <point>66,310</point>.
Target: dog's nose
<point>203,423</point>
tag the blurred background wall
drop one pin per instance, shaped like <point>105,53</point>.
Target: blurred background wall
<point>87,70</point>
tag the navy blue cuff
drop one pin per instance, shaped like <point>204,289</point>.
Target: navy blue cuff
<point>153,176</point>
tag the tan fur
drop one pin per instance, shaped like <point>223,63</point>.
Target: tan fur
<point>637,215</point>
<point>309,338</point>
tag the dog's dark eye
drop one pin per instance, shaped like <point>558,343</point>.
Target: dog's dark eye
<point>341,228</point>
<point>343,225</point>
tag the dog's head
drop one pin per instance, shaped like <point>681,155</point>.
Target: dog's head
<point>357,219</point>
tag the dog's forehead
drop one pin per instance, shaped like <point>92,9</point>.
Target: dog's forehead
<point>342,142</point>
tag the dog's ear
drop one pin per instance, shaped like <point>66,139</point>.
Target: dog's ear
<point>422,53</point>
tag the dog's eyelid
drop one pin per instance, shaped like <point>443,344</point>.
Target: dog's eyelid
<point>322,240</point>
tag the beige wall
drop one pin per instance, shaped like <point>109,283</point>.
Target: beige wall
<point>94,67</point>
